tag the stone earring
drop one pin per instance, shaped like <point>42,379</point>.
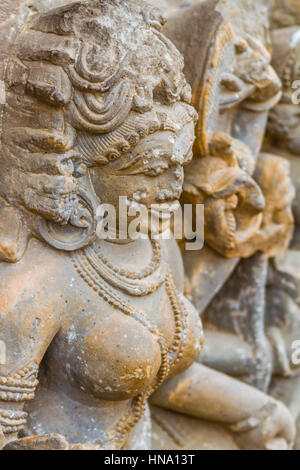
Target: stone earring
<point>81,228</point>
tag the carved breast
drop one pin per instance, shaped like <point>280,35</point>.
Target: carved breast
<point>112,356</point>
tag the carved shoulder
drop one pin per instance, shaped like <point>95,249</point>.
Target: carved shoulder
<point>29,307</point>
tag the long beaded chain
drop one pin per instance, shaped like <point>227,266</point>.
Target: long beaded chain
<point>169,356</point>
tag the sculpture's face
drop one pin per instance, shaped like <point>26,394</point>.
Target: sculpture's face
<point>239,80</point>
<point>273,176</point>
<point>150,174</point>
<point>253,80</point>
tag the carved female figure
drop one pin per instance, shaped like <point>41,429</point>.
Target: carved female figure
<point>97,107</point>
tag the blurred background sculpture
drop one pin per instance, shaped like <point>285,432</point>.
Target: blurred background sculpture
<point>283,139</point>
<point>247,194</point>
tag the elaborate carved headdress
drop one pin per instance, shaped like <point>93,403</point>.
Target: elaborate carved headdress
<point>100,67</point>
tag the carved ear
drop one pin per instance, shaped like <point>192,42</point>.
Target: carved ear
<point>13,235</point>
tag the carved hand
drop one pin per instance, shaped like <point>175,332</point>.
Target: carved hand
<point>272,428</point>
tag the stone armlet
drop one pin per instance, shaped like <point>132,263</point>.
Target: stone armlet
<point>12,421</point>
<point>16,388</point>
<point>255,420</point>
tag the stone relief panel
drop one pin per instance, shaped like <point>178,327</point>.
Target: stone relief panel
<point>103,99</point>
